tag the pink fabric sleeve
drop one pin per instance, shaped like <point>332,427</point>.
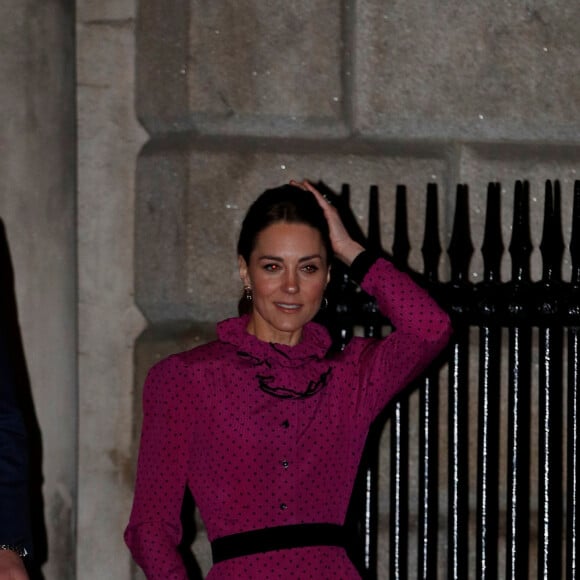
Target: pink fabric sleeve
<point>421,331</point>
<point>154,529</point>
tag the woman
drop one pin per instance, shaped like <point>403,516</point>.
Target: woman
<point>263,425</point>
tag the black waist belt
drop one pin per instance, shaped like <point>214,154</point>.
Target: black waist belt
<point>278,538</point>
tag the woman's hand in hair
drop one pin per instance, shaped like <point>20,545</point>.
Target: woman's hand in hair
<point>345,248</point>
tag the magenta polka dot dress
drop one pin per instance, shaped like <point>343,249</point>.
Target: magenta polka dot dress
<point>269,435</point>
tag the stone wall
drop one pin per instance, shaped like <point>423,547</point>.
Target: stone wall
<point>186,111</point>
<point>109,139</point>
<point>37,206</point>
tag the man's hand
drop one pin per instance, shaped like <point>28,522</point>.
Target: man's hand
<point>11,566</point>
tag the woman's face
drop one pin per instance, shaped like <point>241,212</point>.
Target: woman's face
<point>288,272</point>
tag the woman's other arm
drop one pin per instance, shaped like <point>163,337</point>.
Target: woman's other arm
<point>154,529</point>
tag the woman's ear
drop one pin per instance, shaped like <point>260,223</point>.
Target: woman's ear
<point>244,276</point>
<point>328,276</point>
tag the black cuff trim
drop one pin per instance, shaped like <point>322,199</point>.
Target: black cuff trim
<point>17,549</point>
<point>362,264</point>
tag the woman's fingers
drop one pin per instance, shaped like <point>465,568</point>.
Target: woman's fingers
<point>343,245</point>
<point>330,212</point>
<point>322,201</point>
<point>299,184</point>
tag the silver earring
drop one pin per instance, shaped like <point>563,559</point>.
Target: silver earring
<point>324,303</point>
<point>248,293</point>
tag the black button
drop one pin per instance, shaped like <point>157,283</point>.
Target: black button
<point>285,464</point>
<point>286,424</point>
<point>283,506</point>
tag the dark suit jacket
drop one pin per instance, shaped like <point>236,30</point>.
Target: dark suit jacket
<point>14,497</point>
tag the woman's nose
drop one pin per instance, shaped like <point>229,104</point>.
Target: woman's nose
<point>291,282</point>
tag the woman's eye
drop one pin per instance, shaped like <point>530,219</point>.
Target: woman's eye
<point>271,267</point>
<point>310,268</point>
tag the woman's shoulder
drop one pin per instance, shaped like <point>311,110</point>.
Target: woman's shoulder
<point>201,354</point>
<point>207,353</point>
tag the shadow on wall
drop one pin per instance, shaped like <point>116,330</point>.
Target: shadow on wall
<point>11,330</point>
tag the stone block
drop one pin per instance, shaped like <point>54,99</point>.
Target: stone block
<point>108,325</point>
<point>190,205</point>
<point>161,64</point>
<point>239,67</point>
<point>469,71</point>
<point>105,12</point>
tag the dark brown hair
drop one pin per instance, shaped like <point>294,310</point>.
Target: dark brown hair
<point>286,203</point>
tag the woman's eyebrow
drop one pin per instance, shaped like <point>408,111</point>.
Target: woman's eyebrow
<point>267,257</point>
<point>279,259</point>
<point>313,257</point>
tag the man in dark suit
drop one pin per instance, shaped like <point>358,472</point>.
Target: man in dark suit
<point>15,533</point>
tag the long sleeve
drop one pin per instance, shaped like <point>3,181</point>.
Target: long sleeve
<point>421,331</point>
<point>154,529</point>
<point>14,503</point>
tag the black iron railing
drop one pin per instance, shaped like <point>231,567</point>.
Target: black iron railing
<point>485,530</point>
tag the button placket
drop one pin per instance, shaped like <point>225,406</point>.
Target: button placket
<point>284,462</point>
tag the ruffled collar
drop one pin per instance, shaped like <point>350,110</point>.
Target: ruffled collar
<point>314,344</point>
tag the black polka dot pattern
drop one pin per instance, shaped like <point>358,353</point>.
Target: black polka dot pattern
<point>253,460</point>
